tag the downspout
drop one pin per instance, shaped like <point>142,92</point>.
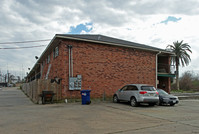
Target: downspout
<point>156,83</point>
<point>69,61</point>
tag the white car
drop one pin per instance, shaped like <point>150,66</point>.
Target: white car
<point>136,94</point>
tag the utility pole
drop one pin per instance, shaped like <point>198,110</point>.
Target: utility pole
<point>5,78</point>
<point>0,76</point>
<point>9,78</point>
<point>7,74</point>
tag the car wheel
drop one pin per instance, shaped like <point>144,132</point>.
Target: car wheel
<point>172,104</point>
<point>133,102</point>
<point>115,99</point>
<point>159,104</point>
<point>151,104</point>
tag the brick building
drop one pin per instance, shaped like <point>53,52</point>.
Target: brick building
<point>102,64</point>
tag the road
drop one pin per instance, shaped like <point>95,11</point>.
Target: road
<point>18,115</point>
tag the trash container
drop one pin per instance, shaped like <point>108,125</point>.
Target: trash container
<point>47,96</point>
<point>85,97</point>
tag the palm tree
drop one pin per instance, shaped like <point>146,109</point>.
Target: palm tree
<point>181,58</point>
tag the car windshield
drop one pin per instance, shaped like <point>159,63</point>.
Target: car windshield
<point>148,88</point>
<point>162,92</point>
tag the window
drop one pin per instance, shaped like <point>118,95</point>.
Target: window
<point>48,60</point>
<point>132,88</point>
<point>148,88</point>
<point>55,52</point>
<point>124,88</point>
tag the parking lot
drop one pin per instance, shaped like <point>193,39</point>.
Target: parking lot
<point>18,115</point>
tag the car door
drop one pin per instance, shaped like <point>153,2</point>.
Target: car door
<point>135,92</point>
<point>131,91</point>
<point>122,92</point>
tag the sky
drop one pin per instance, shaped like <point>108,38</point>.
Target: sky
<point>156,23</point>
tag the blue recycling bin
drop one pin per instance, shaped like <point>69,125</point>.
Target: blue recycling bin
<point>85,97</point>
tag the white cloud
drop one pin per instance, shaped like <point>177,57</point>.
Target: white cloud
<point>148,30</point>
<point>138,21</point>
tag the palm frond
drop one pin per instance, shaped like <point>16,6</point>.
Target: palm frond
<point>181,50</point>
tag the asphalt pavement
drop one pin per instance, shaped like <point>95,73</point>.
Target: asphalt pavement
<point>18,115</point>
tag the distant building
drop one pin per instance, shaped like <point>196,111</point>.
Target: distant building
<point>3,84</point>
<point>102,64</point>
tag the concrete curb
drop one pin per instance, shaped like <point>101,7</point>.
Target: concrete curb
<point>183,96</point>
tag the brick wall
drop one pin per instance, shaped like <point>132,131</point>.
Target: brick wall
<point>104,68</point>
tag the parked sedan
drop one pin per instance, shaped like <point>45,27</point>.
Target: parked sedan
<point>136,94</point>
<point>165,98</point>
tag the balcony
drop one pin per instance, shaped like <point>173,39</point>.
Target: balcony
<point>166,70</point>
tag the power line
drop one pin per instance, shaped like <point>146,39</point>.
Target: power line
<point>22,47</point>
<point>25,41</point>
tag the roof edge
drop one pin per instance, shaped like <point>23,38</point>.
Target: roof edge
<point>94,41</point>
<point>114,44</point>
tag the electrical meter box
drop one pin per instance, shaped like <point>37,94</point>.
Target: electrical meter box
<point>75,83</point>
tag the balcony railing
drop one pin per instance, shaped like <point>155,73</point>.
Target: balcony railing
<point>165,68</point>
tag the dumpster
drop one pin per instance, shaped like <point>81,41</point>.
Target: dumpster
<point>85,97</point>
<point>47,97</point>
